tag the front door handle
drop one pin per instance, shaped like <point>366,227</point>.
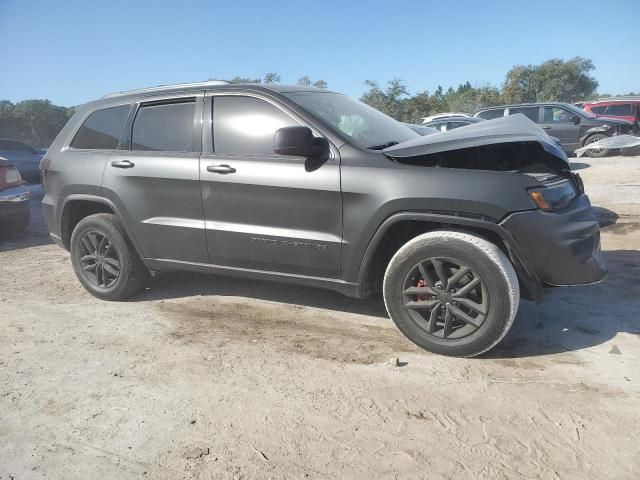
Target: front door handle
<point>222,169</point>
<point>123,164</point>
<point>547,127</point>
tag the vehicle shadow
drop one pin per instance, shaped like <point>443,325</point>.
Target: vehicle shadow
<point>579,166</point>
<point>570,319</point>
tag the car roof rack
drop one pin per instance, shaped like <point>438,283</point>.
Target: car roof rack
<point>160,88</point>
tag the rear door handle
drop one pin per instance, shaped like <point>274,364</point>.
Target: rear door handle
<point>123,164</point>
<point>547,127</point>
<point>222,169</point>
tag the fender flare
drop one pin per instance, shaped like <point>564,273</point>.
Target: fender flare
<point>522,265</point>
<point>105,201</point>
<point>591,131</point>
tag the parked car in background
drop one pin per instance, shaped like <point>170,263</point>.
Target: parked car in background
<point>444,115</point>
<point>445,124</point>
<point>574,128</point>
<point>622,108</point>
<point>24,157</point>
<point>14,200</point>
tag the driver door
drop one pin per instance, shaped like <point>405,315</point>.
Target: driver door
<point>265,211</point>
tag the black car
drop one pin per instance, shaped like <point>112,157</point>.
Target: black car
<point>572,126</point>
<point>14,200</point>
<point>303,185</point>
<point>23,156</point>
<point>449,123</point>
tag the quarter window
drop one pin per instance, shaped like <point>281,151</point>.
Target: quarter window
<point>102,129</point>
<point>530,112</point>
<point>246,125</point>
<point>620,109</point>
<point>165,127</point>
<point>490,114</point>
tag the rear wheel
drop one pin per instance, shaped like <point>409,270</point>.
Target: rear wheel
<point>451,293</point>
<point>596,152</point>
<point>104,260</point>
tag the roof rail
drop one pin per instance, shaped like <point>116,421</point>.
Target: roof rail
<point>614,99</point>
<point>160,88</point>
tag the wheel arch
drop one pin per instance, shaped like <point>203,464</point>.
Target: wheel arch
<point>78,206</point>
<point>398,229</point>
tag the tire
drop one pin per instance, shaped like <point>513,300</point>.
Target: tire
<point>596,137</point>
<point>481,304</point>
<point>98,243</point>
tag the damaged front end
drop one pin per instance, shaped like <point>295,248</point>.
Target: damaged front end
<point>558,237</point>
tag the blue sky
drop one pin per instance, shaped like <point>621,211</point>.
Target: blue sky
<point>72,51</point>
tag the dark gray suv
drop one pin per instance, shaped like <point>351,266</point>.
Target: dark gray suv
<point>312,187</point>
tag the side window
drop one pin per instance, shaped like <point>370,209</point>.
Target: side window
<point>442,126</point>
<point>452,125</point>
<point>598,110</point>
<point>490,114</point>
<point>246,125</point>
<point>101,130</point>
<point>164,127</point>
<point>557,115</point>
<point>530,112</point>
<point>620,109</point>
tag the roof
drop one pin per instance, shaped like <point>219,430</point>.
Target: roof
<point>629,98</point>
<point>211,84</point>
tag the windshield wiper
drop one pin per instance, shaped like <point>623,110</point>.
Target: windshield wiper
<point>383,146</point>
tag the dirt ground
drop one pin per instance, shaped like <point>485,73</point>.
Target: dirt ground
<point>210,377</point>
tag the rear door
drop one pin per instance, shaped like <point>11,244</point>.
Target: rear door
<point>153,179</point>
<point>557,122</point>
<point>265,211</point>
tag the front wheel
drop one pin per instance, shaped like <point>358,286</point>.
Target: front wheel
<point>104,260</point>
<point>596,152</point>
<point>451,293</point>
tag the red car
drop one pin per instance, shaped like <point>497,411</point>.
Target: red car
<point>622,108</point>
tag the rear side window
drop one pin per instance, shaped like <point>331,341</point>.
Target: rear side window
<point>246,125</point>
<point>489,114</point>
<point>102,129</point>
<point>166,127</point>
<point>620,109</point>
<point>530,112</point>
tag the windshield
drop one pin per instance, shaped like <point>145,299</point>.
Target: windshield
<point>580,112</point>
<point>365,126</point>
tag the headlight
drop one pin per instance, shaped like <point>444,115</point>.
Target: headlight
<point>553,197</point>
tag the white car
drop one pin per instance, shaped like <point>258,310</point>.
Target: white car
<point>443,115</point>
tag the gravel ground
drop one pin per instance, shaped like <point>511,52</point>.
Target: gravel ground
<point>210,377</point>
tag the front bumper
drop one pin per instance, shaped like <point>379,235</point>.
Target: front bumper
<point>562,248</point>
<point>14,203</point>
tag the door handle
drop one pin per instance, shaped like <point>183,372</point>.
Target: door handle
<point>547,127</point>
<point>222,169</point>
<point>123,164</point>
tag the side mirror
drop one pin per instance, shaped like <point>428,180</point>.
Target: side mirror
<point>296,141</point>
<point>300,142</point>
<point>575,119</point>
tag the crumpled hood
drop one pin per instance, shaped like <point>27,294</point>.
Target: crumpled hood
<point>509,129</point>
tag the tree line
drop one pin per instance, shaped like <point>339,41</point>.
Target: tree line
<point>37,122</point>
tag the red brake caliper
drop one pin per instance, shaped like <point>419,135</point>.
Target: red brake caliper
<point>422,283</point>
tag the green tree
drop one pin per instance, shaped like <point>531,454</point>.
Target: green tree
<point>392,100</point>
<point>36,122</point>
<point>553,80</point>
<point>272,78</point>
